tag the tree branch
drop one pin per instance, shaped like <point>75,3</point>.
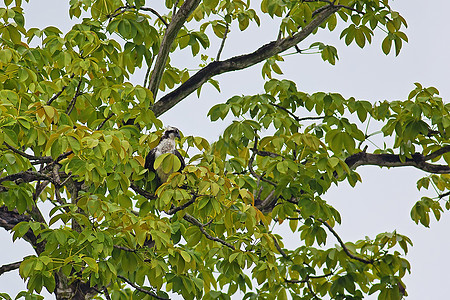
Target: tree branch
<point>10,218</point>
<point>279,248</point>
<point>338,5</point>
<point>74,99</point>
<point>106,293</point>
<point>141,289</point>
<point>39,159</point>
<point>222,44</point>
<point>104,121</point>
<point>171,33</point>
<point>308,277</point>
<point>122,9</point>
<point>155,13</point>
<point>9,267</point>
<point>236,63</point>
<point>25,176</point>
<point>393,160</point>
<point>181,207</point>
<point>201,226</point>
<point>437,153</point>
<point>142,192</point>
<point>58,93</point>
<point>349,254</point>
<point>124,248</point>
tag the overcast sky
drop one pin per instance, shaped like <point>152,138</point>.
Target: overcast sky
<point>384,200</point>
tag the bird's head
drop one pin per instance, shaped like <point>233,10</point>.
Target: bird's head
<point>171,133</point>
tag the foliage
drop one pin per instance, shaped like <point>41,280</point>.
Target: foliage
<point>74,133</point>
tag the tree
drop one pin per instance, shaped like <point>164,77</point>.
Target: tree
<point>75,133</point>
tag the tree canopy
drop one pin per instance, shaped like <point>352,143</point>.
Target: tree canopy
<point>75,131</point>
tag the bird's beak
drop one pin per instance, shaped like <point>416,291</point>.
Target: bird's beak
<point>177,134</point>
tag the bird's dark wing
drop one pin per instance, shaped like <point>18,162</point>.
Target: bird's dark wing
<point>150,160</point>
<point>181,158</point>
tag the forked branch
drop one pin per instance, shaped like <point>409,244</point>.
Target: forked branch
<point>201,226</point>
<point>232,64</point>
<point>172,30</point>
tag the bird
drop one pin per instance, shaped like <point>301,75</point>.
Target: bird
<point>166,145</point>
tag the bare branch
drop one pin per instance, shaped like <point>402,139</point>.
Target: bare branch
<point>298,119</point>
<point>308,277</point>
<point>9,267</point>
<point>393,160</point>
<point>201,226</point>
<point>235,63</point>
<point>147,74</point>
<point>444,195</point>
<point>58,93</point>
<point>63,156</point>
<point>106,293</point>
<point>25,176</point>
<point>279,248</point>
<point>331,3</point>
<point>142,192</point>
<point>140,289</point>
<point>437,153</point>
<point>349,254</point>
<point>104,121</point>
<point>122,9</point>
<point>181,207</point>
<point>74,99</point>
<point>251,160</point>
<point>311,290</point>
<point>171,33</point>
<point>124,248</point>
<point>39,159</point>
<point>222,44</point>
<point>10,218</point>
<point>155,13</point>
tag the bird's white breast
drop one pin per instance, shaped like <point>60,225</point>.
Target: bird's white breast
<point>165,146</point>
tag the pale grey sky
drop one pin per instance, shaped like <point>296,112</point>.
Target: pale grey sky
<point>365,74</point>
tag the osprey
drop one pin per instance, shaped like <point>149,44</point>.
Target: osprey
<point>166,145</point>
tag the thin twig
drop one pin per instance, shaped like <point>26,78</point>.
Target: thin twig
<point>181,207</point>
<point>124,248</point>
<point>40,159</point>
<point>279,248</point>
<point>298,119</point>
<point>155,13</point>
<point>142,192</point>
<point>147,74</point>
<point>349,254</point>
<point>331,3</point>
<point>175,7</point>
<point>222,44</point>
<point>308,277</point>
<point>63,156</point>
<point>105,292</point>
<point>308,283</point>
<point>140,289</point>
<point>250,164</point>
<point>201,226</point>
<point>122,9</point>
<point>104,121</point>
<point>58,93</point>
<point>74,99</point>
<point>444,195</point>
